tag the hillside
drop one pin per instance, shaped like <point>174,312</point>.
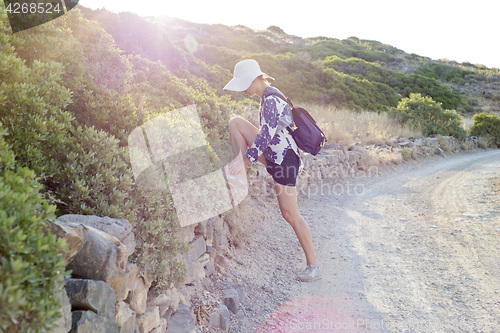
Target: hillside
<point>353,73</point>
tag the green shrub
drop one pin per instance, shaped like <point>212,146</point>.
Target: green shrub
<point>84,169</point>
<point>401,83</point>
<point>487,126</point>
<point>31,267</point>
<point>445,72</point>
<point>428,114</point>
<point>347,48</point>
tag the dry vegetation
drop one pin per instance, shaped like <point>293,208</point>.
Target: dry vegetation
<point>346,127</point>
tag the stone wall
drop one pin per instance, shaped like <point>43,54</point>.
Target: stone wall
<point>107,294</point>
<point>335,163</point>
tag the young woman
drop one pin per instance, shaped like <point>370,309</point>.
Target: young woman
<point>273,146</point>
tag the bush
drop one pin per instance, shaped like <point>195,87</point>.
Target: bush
<point>31,268</point>
<point>84,169</point>
<point>428,114</point>
<point>487,126</point>
<point>445,72</point>
<point>401,83</point>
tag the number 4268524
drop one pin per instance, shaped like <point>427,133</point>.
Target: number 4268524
<point>33,8</point>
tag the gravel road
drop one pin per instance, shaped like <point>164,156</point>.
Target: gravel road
<point>413,249</point>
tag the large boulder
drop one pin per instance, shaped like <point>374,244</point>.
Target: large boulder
<point>93,305</point>
<point>89,321</point>
<point>100,256</point>
<point>181,321</point>
<point>120,228</point>
<point>93,253</point>
<point>149,320</point>
<point>124,282</point>
<point>91,295</point>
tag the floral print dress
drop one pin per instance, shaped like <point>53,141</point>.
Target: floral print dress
<point>273,140</point>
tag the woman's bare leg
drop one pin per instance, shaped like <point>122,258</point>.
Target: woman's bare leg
<point>287,199</point>
<point>242,134</point>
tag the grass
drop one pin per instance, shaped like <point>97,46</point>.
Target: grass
<point>346,127</point>
<point>467,123</point>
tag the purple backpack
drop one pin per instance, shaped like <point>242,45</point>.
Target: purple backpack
<point>307,134</point>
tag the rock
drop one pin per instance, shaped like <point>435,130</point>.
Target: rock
<point>201,228</point>
<point>63,324</point>
<point>406,144</point>
<point>194,268</point>
<point>308,160</point>
<point>220,318</point>
<point>120,228</point>
<point>162,302</point>
<point>197,247</point>
<point>241,292</point>
<point>204,260</point>
<point>162,328</point>
<point>431,142</point>
<point>168,314</point>
<point>124,282</point>
<point>72,235</point>
<point>138,296</point>
<point>221,261</point>
<point>89,321</point>
<point>125,318</point>
<point>181,321</point>
<point>331,145</point>
<point>209,233</point>
<point>129,243</point>
<point>333,159</point>
<point>220,241</point>
<point>186,234</point>
<point>231,300</point>
<point>354,156</point>
<point>149,320</point>
<point>356,147</point>
<point>99,257</point>
<point>175,296</point>
<point>91,295</point>
<point>210,268</point>
<point>159,300</point>
<point>194,271</point>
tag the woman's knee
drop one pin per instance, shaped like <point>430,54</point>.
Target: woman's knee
<point>289,215</point>
<point>234,123</point>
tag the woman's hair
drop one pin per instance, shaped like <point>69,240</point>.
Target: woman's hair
<point>265,78</point>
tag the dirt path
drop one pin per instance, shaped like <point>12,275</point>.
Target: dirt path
<point>414,250</point>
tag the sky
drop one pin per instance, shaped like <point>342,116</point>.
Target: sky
<point>463,31</point>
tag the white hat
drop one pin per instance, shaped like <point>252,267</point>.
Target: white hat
<point>244,73</point>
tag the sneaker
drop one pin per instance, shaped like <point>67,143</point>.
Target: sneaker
<point>311,273</point>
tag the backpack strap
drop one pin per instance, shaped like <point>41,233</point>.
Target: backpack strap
<point>286,99</point>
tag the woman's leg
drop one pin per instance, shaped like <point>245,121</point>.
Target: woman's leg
<point>287,199</point>
<point>242,134</point>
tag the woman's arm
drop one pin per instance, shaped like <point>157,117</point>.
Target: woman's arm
<point>270,117</point>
